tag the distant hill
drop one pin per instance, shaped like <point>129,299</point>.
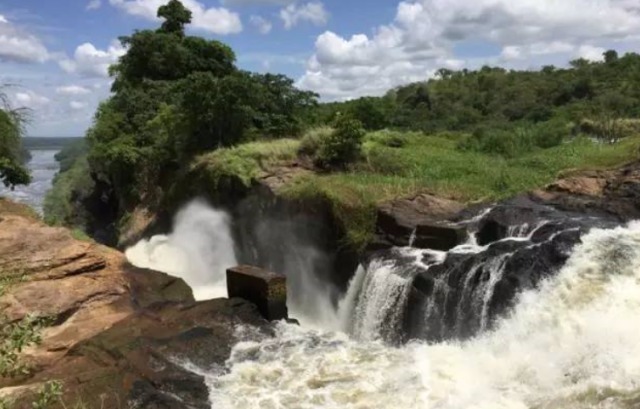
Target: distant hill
<point>47,143</point>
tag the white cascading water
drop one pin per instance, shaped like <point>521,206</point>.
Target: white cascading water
<point>198,250</point>
<point>377,296</point>
<point>572,344</point>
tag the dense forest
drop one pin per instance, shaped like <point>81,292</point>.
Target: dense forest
<point>178,100</point>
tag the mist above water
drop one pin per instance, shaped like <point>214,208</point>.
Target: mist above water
<point>199,250</point>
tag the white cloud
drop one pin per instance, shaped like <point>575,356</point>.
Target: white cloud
<point>92,62</point>
<point>77,105</point>
<point>94,5</point>
<point>214,20</point>
<point>263,25</point>
<point>18,45</point>
<point>257,2</point>
<point>424,34</point>
<point>31,99</point>
<point>591,53</point>
<point>314,13</point>
<point>72,90</point>
<point>514,52</point>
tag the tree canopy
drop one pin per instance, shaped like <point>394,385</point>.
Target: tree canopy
<point>496,97</point>
<point>12,170</point>
<point>176,96</point>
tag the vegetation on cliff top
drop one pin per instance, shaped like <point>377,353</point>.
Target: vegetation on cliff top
<point>180,103</point>
<point>12,121</point>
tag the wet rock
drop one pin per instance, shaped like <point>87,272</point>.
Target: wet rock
<point>421,219</point>
<point>469,291</point>
<point>267,290</point>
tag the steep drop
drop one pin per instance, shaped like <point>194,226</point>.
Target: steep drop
<point>571,344</point>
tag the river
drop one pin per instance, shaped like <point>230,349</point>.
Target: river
<point>43,167</point>
<point>572,342</point>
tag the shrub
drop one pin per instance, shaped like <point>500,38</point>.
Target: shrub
<point>496,142</point>
<point>549,134</point>
<point>386,161</point>
<point>515,142</point>
<point>343,146</point>
<point>310,142</point>
<point>609,129</point>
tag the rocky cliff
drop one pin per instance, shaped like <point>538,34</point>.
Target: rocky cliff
<point>115,336</point>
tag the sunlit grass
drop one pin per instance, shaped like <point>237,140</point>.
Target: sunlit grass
<point>418,163</point>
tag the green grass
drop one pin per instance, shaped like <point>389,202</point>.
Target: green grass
<point>401,164</point>
<point>81,235</point>
<point>247,161</point>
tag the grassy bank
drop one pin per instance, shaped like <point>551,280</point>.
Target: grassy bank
<point>401,164</point>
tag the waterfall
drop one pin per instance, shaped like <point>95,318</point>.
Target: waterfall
<point>376,300</point>
<point>198,250</point>
<point>572,342</point>
<point>201,248</point>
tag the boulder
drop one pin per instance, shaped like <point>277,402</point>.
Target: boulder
<point>420,221</point>
<point>267,290</point>
<point>120,336</point>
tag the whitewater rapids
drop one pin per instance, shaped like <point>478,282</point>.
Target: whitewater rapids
<point>574,343</point>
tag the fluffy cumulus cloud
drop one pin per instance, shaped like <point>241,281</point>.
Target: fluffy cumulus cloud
<point>425,33</point>
<point>257,2</point>
<point>90,61</point>
<point>31,99</point>
<point>77,105</point>
<point>261,24</point>
<point>18,45</point>
<point>217,20</point>
<point>72,90</point>
<point>313,12</point>
<point>94,5</point>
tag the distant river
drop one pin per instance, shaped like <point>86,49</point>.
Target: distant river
<point>43,168</point>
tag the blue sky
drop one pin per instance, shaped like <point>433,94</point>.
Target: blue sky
<point>55,54</point>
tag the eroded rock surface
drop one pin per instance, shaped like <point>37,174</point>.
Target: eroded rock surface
<point>120,336</point>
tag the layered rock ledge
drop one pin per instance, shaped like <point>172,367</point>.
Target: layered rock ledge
<point>119,336</point>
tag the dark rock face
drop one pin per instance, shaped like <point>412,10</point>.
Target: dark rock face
<point>292,238</point>
<point>466,293</point>
<point>419,221</point>
<point>526,239</point>
<point>267,290</point>
<point>146,355</point>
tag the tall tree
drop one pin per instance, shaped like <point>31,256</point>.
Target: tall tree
<point>12,171</point>
<point>175,16</point>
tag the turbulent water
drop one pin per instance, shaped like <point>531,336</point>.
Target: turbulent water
<point>43,167</point>
<point>199,250</point>
<point>572,344</point>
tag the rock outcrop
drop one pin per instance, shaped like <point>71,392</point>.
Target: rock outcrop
<point>523,240</point>
<point>119,336</point>
<point>266,289</point>
<point>420,221</point>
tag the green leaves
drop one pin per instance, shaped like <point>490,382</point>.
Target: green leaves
<point>12,171</point>
<point>343,146</point>
<point>14,337</point>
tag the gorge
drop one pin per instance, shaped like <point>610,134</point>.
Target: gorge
<point>467,241</point>
<point>520,314</point>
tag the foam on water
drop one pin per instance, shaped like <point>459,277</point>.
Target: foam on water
<point>573,343</point>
